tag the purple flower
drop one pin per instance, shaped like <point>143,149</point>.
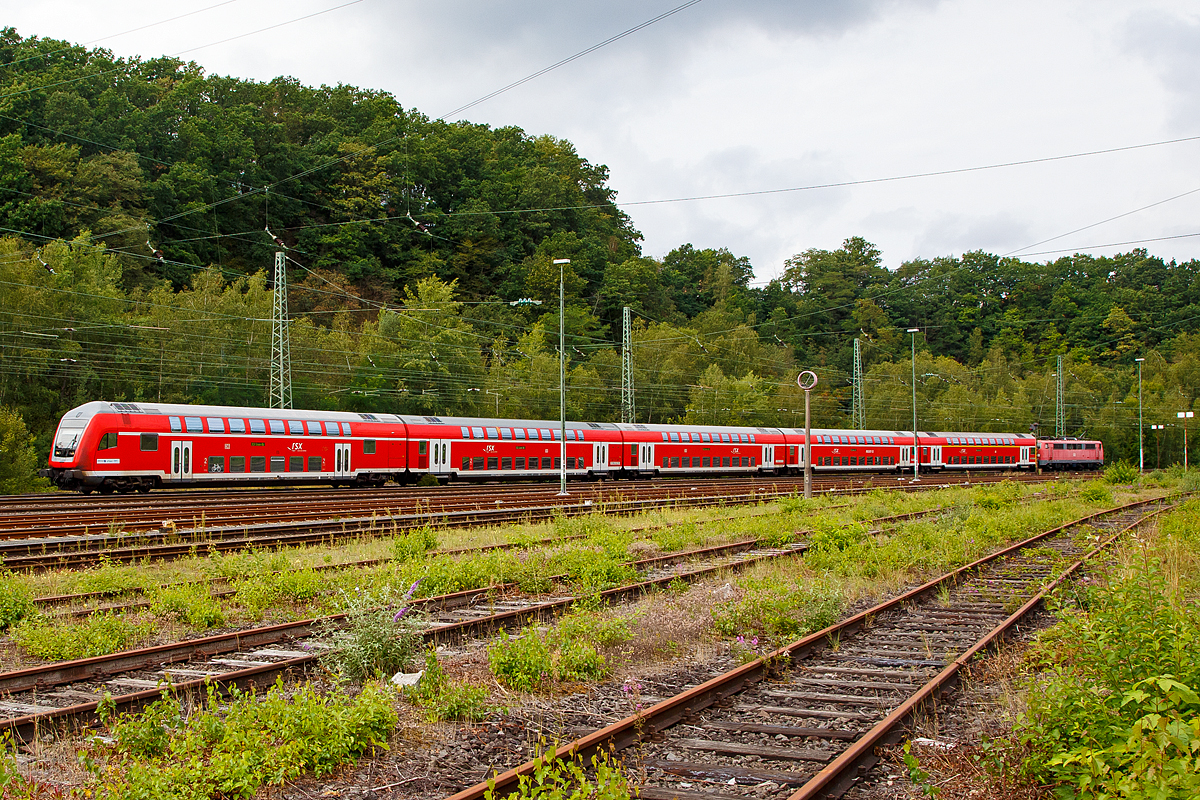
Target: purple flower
<point>413,588</point>
<point>741,640</point>
<point>400,614</point>
<point>754,641</point>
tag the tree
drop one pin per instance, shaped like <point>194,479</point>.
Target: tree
<point>18,459</point>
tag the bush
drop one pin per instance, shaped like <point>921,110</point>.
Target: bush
<point>376,639</point>
<point>413,544</point>
<point>521,662</point>
<point>778,608</point>
<point>1118,714</point>
<point>1121,472</point>
<point>560,779</point>
<point>191,603</point>
<point>1097,493</point>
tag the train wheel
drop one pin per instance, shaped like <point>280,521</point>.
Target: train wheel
<point>106,488</point>
<point>85,490</point>
<point>143,488</point>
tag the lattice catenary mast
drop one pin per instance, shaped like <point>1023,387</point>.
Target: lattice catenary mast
<point>1060,410</point>
<point>628,410</point>
<point>858,410</point>
<point>281,350</point>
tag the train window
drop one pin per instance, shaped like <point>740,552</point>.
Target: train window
<point>506,433</point>
<point>176,426</point>
<point>506,463</point>
<point>193,425</point>
<point>215,425</point>
<point>149,442</point>
<point>752,439</point>
<point>258,426</point>
<point>558,463</point>
<point>477,462</point>
<point>546,434</point>
<point>331,428</point>
<point>215,464</point>
<point>686,462</point>
<point>107,441</point>
<point>571,462</point>
<point>314,428</point>
<point>707,461</point>
<point>724,461</point>
<point>258,463</point>
<point>520,462</point>
<point>546,463</point>
<point>477,433</point>
<point>674,461</point>
<point>580,435</point>
<point>558,434</point>
<point>519,433</point>
<point>570,435</point>
<point>237,426</point>
<point>492,433</point>
<point>466,432</point>
<point>295,427</point>
<point>277,463</point>
<point>369,447</point>
<point>295,463</point>
<point>666,461</point>
<point>237,463</point>
<point>314,463</point>
<point>753,461</point>
<point>492,462</point>
<point>276,425</point>
<point>345,429</point>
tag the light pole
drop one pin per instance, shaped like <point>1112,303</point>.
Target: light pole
<point>1157,445</point>
<point>916,448</point>
<point>806,381</point>
<point>1185,416</point>
<point>562,380</point>
<point>1141,448</point>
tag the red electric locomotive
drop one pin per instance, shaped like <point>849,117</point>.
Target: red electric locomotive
<point>1070,454</point>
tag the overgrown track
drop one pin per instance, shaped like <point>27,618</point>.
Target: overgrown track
<point>805,721</point>
<point>327,516</point>
<point>40,697</point>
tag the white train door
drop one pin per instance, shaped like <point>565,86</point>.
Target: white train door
<point>600,457</point>
<point>181,461</point>
<point>341,459</point>
<point>646,457</point>
<point>439,456</point>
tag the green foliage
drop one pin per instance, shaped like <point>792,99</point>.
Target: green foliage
<point>262,591</point>
<point>681,536</point>
<point>414,543</point>
<point>776,607</point>
<point>441,698</point>
<point>230,749</point>
<point>376,639</point>
<point>191,603</point>
<point>1121,472</point>
<point>1097,493</point>
<point>16,600</point>
<point>98,635</point>
<point>570,650</point>
<point>1117,714</point>
<point>18,459</point>
<point>522,662</point>
<point>567,779</point>
<point>918,776</point>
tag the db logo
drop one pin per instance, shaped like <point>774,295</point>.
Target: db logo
<point>297,447</point>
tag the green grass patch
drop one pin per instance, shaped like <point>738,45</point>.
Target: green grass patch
<point>98,635</point>
<point>440,698</point>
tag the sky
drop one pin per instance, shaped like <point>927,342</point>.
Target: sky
<point>771,101</point>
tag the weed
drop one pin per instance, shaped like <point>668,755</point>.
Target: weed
<point>259,592</point>
<point>442,699</point>
<point>1121,472</point>
<point>230,749</point>
<point>98,635</point>
<point>778,607</point>
<point>414,543</point>
<point>16,601</point>
<point>1097,493</point>
<point>562,779</point>
<point>191,603</point>
<point>521,662</point>
<point>672,538</point>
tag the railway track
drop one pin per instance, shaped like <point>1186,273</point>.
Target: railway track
<point>36,699</point>
<point>39,552</point>
<point>806,720</point>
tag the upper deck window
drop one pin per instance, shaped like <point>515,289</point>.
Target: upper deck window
<point>295,427</point>
<point>545,434</point>
<point>466,432</point>
<point>314,428</point>
<point>492,433</point>
<point>257,426</point>
<point>570,435</point>
<point>193,425</point>
<point>519,433</point>
<point>477,433</point>
<point>674,436</point>
<point>237,426</point>
<point>276,425</point>
<point>345,429</point>
<point>176,425</point>
<point>506,433</point>
<point>216,425</point>
<point>331,429</point>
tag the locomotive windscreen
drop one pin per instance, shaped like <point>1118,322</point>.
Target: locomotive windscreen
<point>67,438</point>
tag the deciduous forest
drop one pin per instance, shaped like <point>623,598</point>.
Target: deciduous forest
<point>136,198</point>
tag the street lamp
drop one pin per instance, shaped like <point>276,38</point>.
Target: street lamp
<point>1157,445</point>
<point>1185,416</point>
<point>1141,448</point>
<point>562,380</point>
<point>916,449</point>
<point>807,380</point>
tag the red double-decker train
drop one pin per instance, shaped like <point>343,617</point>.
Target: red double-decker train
<point>133,446</point>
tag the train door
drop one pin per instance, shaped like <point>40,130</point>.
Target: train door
<point>600,457</point>
<point>646,458</point>
<point>439,455</point>
<point>181,461</point>
<point>341,459</point>
<point>937,456</point>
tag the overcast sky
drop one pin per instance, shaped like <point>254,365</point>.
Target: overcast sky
<point>727,97</point>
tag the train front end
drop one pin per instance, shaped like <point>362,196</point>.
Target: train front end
<point>69,456</point>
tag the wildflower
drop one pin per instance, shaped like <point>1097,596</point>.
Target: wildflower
<point>754,641</point>
<point>400,614</point>
<point>741,640</point>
